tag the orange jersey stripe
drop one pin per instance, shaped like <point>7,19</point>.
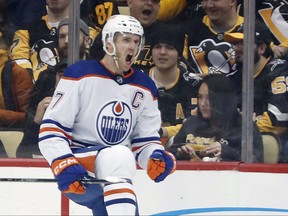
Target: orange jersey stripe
<point>46,129</point>
<point>122,190</point>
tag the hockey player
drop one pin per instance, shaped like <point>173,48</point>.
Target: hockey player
<point>104,116</point>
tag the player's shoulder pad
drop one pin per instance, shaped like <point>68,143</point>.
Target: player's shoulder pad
<point>83,68</point>
<point>143,80</point>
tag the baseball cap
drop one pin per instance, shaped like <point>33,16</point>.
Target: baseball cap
<point>167,35</point>
<point>82,25</point>
<point>262,34</point>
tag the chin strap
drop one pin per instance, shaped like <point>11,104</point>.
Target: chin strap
<point>113,54</point>
<point>115,58</point>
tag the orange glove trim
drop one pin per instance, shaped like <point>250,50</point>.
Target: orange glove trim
<point>76,187</point>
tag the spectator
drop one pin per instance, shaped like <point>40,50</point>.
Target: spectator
<point>16,85</point>
<point>216,126</point>
<point>34,47</point>
<point>270,94</point>
<point>206,50</point>
<point>263,78</point>
<point>97,12</point>
<point>175,87</point>
<point>178,12</point>
<point>21,13</point>
<point>271,12</point>
<point>86,40</point>
<point>41,97</point>
<point>270,101</point>
<point>274,15</point>
<point>44,89</point>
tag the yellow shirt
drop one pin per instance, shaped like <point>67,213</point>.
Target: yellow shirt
<point>169,9</point>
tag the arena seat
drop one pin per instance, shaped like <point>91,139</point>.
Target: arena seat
<point>11,141</point>
<point>271,148</point>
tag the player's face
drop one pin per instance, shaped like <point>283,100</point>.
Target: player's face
<point>164,56</point>
<point>219,11</point>
<point>203,101</point>
<point>63,41</point>
<point>57,6</point>
<point>145,11</point>
<point>127,46</point>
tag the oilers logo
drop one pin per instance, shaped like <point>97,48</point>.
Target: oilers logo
<point>114,122</point>
<point>211,57</point>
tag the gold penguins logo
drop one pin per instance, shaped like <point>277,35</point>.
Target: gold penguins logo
<point>211,57</point>
<point>275,15</point>
<point>43,53</point>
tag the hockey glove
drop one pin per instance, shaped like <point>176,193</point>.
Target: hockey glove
<point>67,171</point>
<point>160,165</point>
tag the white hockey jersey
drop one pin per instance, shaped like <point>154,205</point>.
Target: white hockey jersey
<point>92,106</point>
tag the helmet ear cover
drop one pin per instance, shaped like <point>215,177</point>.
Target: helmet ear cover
<point>122,24</point>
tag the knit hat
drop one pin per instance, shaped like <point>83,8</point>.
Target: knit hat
<point>82,25</point>
<point>167,35</point>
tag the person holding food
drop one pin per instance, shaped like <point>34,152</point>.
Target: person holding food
<point>214,134</point>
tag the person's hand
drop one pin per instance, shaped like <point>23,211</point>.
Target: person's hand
<point>279,51</point>
<point>214,149</point>
<point>41,108</point>
<point>67,172</point>
<point>160,165</point>
<point>186,152</point>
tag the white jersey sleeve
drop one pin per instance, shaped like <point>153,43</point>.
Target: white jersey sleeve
<point>148,123</point>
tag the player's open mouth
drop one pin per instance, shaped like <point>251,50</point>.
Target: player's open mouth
<point>129,59</point>
<point>146,12</point>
